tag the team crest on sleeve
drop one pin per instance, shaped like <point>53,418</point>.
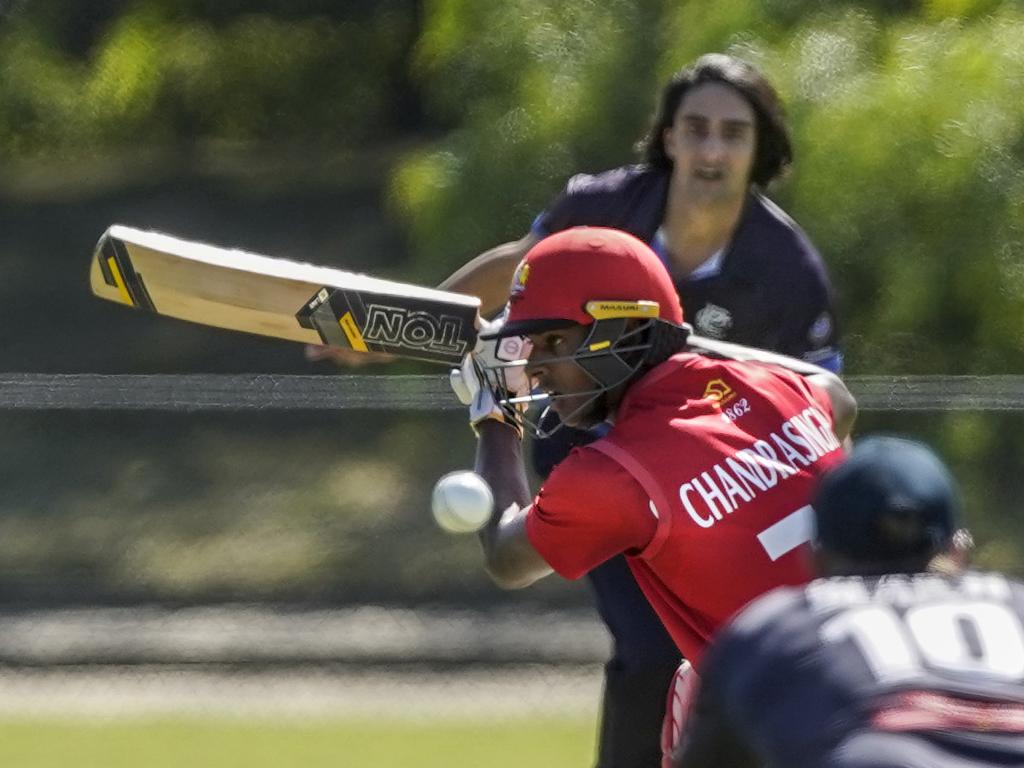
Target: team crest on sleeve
<point>713,321</point>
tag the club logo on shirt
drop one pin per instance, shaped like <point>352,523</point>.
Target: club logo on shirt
<point>723,397</point>
<point>719,392</point>
<point>713,321</point>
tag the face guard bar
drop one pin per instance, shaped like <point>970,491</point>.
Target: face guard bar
<point>610,355</point>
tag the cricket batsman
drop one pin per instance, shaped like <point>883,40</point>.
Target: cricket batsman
<point>705,471</point>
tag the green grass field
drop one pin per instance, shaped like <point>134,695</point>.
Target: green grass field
<point>225,743</point>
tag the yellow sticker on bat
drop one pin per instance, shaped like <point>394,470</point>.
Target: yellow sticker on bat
<point>355,338</point>
<point>122,289</point>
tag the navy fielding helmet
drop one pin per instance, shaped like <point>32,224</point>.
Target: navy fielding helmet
<point>891,500</point>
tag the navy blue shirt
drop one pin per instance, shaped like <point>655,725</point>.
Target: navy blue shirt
<point>909,670</point>
<point>769,288</point>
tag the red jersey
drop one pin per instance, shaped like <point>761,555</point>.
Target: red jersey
<point>704,482</point>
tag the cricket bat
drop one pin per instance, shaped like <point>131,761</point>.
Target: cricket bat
<point>284,299</point>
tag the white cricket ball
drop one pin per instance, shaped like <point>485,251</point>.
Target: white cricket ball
<point>462,502</point>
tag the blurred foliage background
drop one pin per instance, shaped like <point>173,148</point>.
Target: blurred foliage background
<point>402,137</point>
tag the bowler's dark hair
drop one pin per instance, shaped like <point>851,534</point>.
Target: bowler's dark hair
<point>774,150</point>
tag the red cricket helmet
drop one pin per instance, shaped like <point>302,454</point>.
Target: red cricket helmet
<point>584,274</point>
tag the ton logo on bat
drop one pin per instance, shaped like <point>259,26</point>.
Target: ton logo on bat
<point>400,327</point>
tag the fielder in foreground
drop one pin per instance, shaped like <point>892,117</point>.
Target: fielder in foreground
<point>704,476</point>
<point>897,657</point>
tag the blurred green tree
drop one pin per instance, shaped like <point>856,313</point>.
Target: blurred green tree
<point>153,73</point>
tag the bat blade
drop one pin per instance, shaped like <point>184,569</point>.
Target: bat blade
<point>243,291</point>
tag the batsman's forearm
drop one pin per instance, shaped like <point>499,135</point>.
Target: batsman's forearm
<point>499,461</point>
<point>511,560</point>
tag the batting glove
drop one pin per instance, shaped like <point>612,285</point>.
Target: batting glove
<point>484,393</point>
